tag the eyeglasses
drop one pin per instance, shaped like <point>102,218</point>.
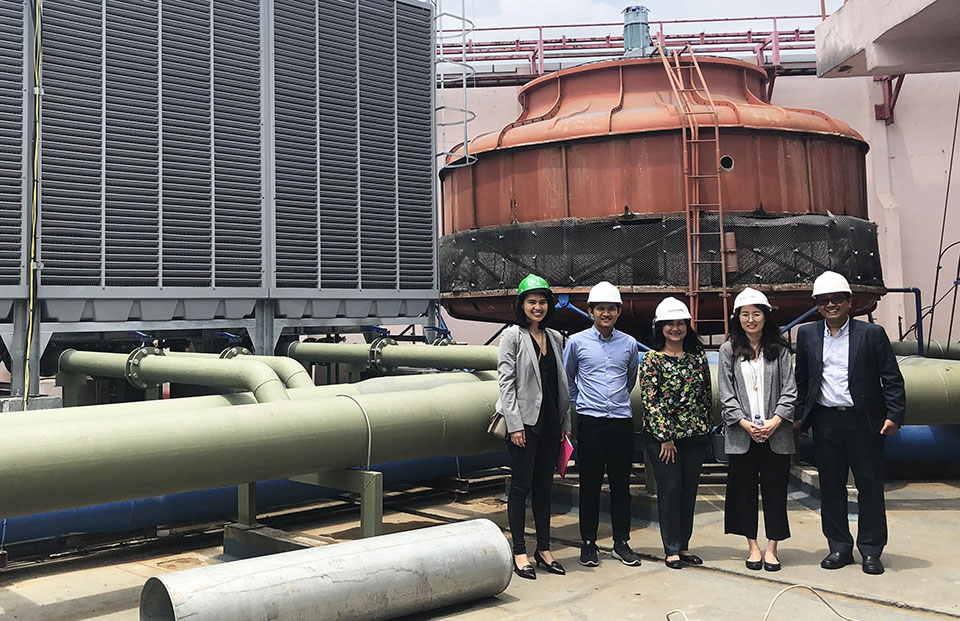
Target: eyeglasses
<point>837,299</point>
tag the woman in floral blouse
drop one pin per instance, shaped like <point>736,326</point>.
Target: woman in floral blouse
<point>675,391</point>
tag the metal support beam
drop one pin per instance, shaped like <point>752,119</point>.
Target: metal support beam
<point>891,92</point>
<point>247,504</point>
<point>367,483</point>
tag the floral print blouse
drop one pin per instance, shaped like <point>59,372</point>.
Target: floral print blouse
<point>676,396</point>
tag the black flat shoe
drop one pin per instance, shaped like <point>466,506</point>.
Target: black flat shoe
<point>771,566</point>
<point>527,571</point>
<point>552,568</point>
<point>836,560</point>
<point>691,559</point>
<point>677,564</point>
<point>754,565</point>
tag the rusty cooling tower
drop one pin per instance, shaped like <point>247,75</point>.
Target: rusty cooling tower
<point>588,185</point>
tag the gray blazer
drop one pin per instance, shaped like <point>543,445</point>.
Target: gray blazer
<point>779,389</point>
<point>521,390</point>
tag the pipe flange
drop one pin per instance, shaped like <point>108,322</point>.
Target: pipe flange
<point>132,367</point>
<point>376,354</point>
<point>233,352</point>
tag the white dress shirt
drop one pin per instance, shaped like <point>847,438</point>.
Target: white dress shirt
<point>835,388</point>
<point>752,371</point>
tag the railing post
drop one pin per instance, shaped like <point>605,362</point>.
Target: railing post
<point>540,51</point>
<point>776,44</point>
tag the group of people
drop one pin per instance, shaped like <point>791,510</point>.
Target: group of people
<point>845,385</point>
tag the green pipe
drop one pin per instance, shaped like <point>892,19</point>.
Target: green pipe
<point>933,349</point>
<point>391,356</point>
<point>52,465</point>
<point>290,372</point>
<point>253,376</point>
<point>369,386</point>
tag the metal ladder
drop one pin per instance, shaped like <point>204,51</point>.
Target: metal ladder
<point>701,171</point>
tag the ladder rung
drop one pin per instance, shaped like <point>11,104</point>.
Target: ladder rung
<point>692,112</point>
<point>703,176</point>
<point>704,204</point>
<point>706,233</point>
<point>707,262</point>
<point>702,140</point>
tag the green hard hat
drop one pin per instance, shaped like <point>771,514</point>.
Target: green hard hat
<point>532,283</point>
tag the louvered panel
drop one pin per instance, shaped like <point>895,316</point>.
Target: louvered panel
<point>72,155</point>
<point>415,80</point>
<point>338,165</point>
<point>132,173</point>
<point>187,168</point>
<point>238,221</point>
<point>297,233</point>
<point>378,186</point>
<point>11,139</point>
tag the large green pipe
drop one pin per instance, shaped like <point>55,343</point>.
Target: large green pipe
<point>253,376</point>
<point>51,465</point>
<point>290,372</point>
<point>392,356</point>
<point>933,349</point>
<point>373,385</point>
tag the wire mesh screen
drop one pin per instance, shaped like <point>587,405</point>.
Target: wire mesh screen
<point>653,252</point>
<point>11,132</point>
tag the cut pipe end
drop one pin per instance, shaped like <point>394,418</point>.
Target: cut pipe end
<point>155,603</point>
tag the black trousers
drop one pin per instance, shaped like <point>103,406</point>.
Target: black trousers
<point>677,489</point>
<point>604,445</point>
<point>842,441</point>
<point>531,469</point>
<point>759,465</point>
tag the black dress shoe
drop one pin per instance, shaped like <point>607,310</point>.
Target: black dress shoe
<point>691,559</point>
<point>677,564</point>
<point>527,571</point>
<point>552,568</point>
<point>872,565</point>
<point>836,560</point>
<point>754,565</point>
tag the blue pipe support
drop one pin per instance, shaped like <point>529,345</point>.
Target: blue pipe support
<point>798,320</point>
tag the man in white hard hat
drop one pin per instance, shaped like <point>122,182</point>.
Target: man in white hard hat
<point>850,391</point>
<point>601,364</point>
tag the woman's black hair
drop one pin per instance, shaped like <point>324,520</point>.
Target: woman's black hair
<point>771,341</point>
<point>691,342</point>
<point>522,319</point>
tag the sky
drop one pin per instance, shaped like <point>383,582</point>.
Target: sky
<point>486,13</point>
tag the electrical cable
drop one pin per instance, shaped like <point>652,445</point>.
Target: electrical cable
<point>770,608</point>
<point>946,202</point>
<point>32,287</point>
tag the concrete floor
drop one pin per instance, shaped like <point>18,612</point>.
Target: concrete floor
<point>922,579</point>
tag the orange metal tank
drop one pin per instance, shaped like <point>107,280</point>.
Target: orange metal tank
<point>602,144</point>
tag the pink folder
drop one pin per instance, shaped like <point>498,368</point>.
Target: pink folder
<point>566,450</point>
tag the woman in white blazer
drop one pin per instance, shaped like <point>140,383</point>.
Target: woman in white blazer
<point>758,393</point>
<point>535,402</point>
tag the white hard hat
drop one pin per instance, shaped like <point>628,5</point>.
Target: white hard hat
<point>830,282</point>
<point>604,292</point>
<point>671,309</point>
<point>750,296</point>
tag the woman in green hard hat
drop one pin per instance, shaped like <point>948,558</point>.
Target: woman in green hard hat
<point>535,403</point>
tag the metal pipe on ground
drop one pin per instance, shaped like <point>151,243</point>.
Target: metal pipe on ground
<point>440,566</point>
<point>388,355</point>
<point>290,372</point>
<point>256,377</point>
<point>60,464</point>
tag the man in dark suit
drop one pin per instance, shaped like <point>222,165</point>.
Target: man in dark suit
<point>850,391</point>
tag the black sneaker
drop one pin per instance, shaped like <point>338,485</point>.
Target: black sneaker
<point>623,553</point>
<point>588,554</point>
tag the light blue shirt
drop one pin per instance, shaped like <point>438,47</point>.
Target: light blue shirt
<point>835,387</point>
<point>601,372</point>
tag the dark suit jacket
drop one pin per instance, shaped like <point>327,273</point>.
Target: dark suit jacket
<point>875,382</point>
